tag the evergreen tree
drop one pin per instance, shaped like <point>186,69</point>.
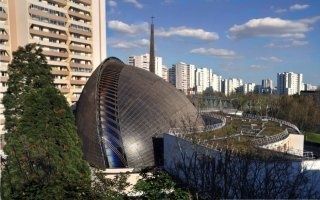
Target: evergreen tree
<point>44,155</point>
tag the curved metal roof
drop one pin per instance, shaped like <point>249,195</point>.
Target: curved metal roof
<point>121,109</point>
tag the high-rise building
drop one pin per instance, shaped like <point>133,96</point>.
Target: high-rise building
<point>266,86</point>
<point>248,88</point>
<point>72,34</point>
<point>203,77</point>
<point>182,76</point>
<point>229,86</point>
<point>309,87</point>
<point>267,83</point>
<point>165,73</point>
<point>215,82</point>
<point>142,61</point>
<point>289,83</point>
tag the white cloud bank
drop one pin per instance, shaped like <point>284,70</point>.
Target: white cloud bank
<point>135,3</point>
<point>128,28</point>
<point>222,53</point>
<point>273,27</point>
<point>187,32</point>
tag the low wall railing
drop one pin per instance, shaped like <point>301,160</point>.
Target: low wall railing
<point>200,129</point>
<point>271,139</point>
<point>274,120</point>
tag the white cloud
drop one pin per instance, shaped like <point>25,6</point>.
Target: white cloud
<point>222,53</point>
<point>257,67</point>
<point>128,28</point>
<point>129,45</point>
<point>272,27</point>
<point>136,3</point>
<point>271,58</point>
<point>299,43</point>
<point>291,43</point>
<point>112,3</point>
<point>298,7</point>
<point>280,10</point>
<point>187,32</point>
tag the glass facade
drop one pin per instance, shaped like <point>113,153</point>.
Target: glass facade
<point>122,109</point>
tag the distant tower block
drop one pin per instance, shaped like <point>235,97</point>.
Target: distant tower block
<point>152,55</point>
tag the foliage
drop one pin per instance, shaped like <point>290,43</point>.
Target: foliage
<point>313,137</point>
<point>106,188</point>
<point>44,155</point>
<point>158,184</point>
<point>303,111</point>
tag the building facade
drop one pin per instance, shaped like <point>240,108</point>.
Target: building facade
<point>230,85</point>
<point>289,83</point>
<point>266,86</point>
<point>248,88</point>
<point>183,77</point>
<point>143,61</point>
<point>72,34</point>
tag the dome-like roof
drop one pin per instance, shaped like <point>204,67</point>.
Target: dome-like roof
<point>121,109</point>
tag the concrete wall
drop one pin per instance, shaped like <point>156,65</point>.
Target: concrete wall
<point>179,152</point>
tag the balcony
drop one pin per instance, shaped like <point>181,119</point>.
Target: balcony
<point>4,78</point>
<point>77,90</point>
<point>60,72</point>
<point>79,40</point>
<point>87,66</point>
<point>61,81</point>
<point>64,90</point>
<point>55,53</point>
<point>48,34</point>
<point>84,74</point>
<point>82,49</point>
<point>81,57</point>
<point>4,37</point>
<point>79,15</point>
<point>57,63</point>
<point>85,2</point>
<point>78,82</point>
<point>59,2</point>
<point>47,15</point>
<point>48,24</point>
<point>3,16</point>
<point>81,32</point>
<point>4,58</point>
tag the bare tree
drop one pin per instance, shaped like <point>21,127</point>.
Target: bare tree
<point>213,173</point>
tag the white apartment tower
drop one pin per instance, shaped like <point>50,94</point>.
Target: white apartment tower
<point>182,76</point>
<point>165,73</point>
<point>215,82</point>
<point>289,83</point>
<point>203,76</point>
<point>267,83</point>
<point>72,34</point>
<point>229,86</point>
<point>248,88</point>
<point>142,61</point>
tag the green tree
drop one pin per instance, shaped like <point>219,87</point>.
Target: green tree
<point>158,184</point>
<point>44,155</point>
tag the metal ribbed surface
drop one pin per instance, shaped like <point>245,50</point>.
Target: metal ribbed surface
<point>129,107</point>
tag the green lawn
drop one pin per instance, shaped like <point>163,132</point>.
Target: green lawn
<point>313,137</point>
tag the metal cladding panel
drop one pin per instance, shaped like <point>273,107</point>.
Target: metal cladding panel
<point>142,106</point>
<point>148,107</point>
<point>87,124</point>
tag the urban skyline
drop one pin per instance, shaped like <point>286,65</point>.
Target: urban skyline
<point>232,46</point>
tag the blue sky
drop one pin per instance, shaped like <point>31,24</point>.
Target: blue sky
<point>248,39</point>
